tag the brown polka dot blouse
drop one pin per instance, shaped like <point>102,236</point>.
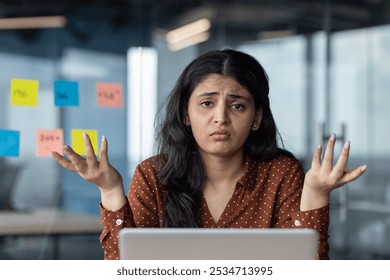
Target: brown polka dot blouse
<point>266,196</point>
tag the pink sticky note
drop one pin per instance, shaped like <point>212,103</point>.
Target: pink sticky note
<point>109,94</point>
<point>49,140</point>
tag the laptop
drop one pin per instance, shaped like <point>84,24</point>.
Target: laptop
<point>218,244</point>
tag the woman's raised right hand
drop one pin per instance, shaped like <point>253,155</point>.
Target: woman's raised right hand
<point>99,172</point>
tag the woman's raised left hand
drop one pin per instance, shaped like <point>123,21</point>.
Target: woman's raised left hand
<point>323,176</point>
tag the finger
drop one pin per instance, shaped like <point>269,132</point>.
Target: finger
<point>327,162</point>
<point>63,161</point>
<point>342,162</point>
<point>78,161</point>
<point>89,151</point>
<point>316,161</point>
<point>352,175</point>
<point>103,153</point>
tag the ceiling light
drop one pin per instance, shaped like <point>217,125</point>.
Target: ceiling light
<point>190,41</point>
<point>189,30</point>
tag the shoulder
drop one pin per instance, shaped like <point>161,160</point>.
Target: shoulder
<point>287,162</point>
<point>148,168</point>
<point>150,164</point>
<point>273,175</point>
<point>280,168</point>
<point>281,162</point>
<point>146,174</point>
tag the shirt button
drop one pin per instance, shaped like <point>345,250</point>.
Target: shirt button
<point>118,222</point>
<point>297,223</point>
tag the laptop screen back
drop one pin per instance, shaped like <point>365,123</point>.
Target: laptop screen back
<point>217,244</point>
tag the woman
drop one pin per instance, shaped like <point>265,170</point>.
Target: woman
<point>218,164</point>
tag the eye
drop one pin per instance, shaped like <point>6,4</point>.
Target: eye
<point>206,103</point>
<point>238,106</point>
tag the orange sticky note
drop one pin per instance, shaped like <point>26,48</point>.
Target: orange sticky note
<point>49,140</point>
<point>24,92</point>
<point>109,94</point>
<point>78,140</point>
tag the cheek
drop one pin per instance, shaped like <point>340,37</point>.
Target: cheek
<point>198,130</point>
<point>244,131</point>
<point>199,119</point>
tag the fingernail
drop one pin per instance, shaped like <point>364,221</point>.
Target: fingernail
<point>347,145</point>
<point>319,146</point>
<point>332,137</point>
<point>363,168</point>
<point>103,138</point>
<point>85,135</point>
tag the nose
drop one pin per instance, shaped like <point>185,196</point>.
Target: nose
<point>221,114</point>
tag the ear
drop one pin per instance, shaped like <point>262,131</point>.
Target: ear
<point>186,117</point>
<point>257,120</point>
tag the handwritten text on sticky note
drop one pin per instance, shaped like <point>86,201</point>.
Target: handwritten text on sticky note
<point>109,94</point>
<point>9,143</point>
<point>78,140</point>
<point>24,92</point>
<point>49,140</point>
<point>66,93</point>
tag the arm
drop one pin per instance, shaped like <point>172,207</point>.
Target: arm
<point>115,211</point>
<point>288,213</point>
<point>141,210</point>
<point>323,177</point>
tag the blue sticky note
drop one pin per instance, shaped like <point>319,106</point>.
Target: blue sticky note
<point>66,93</point>
<point>9,143</point>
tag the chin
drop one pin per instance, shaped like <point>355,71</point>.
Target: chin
<point>223,153</point>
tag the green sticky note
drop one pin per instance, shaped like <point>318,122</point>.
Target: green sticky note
<point>78,140</point>
<point>24,92</point>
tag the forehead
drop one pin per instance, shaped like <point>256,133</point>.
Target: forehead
<point>220,84</point>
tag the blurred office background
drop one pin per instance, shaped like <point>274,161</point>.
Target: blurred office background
<point>328,64</point>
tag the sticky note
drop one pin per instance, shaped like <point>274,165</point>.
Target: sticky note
<point>109,94</point>
<point>66,93</point>
<point>49,140</point>
<point>78,140</point>
<point>9,143</point>
<point>24,92</point>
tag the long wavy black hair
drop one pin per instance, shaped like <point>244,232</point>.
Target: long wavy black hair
<point>181,169</point>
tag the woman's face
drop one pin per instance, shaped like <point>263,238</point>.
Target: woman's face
<point>221,113</point>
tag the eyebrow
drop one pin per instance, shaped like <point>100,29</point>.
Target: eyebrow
<point>233,95</point>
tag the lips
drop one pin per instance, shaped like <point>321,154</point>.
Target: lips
<point>220,135</point>
<point>220,132</point>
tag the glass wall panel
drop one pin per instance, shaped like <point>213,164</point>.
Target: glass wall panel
<point>359,100</point>
<point>358,96</point>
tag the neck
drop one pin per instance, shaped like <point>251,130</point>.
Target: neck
<point>222,169</point>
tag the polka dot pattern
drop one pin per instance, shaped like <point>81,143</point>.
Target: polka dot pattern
<point>266,196</point>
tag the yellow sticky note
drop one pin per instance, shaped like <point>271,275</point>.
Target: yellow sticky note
<point>78,140</point>
<point>24,92</point>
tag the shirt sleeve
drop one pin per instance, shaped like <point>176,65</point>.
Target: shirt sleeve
<point>319,220</point>
<point>141,209</point>
<point>289,214</point>
<point>113,222</point>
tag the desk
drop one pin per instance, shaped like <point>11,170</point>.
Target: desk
<point>48,222</point>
